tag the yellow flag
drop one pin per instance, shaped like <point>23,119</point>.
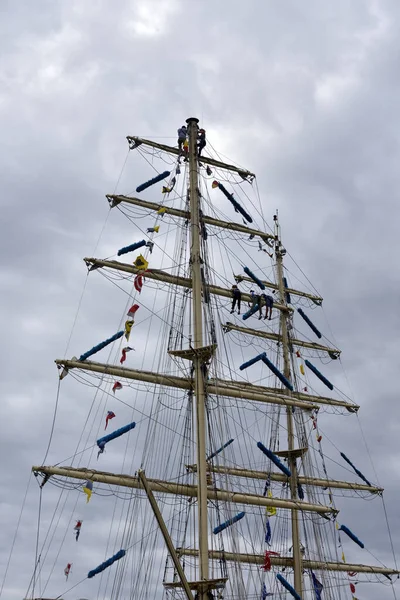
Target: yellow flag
<point>128,327</point>
<point>161,210</point>
<point>270,510</point>
<point>302,369</point>
<point>87,488</point>
<point>214,184</point>
<point>141,263</point>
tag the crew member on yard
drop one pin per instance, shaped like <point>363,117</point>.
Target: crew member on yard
<point>236,298</point>
<point>269,302</point>
<point>253,298</point>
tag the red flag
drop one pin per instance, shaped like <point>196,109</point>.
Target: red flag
<point>138,283</point>
<point>117,386</point>
<point>77,529</point>
<point>110,415</point>
<point>132,310</point>
<point>352,588</point>
<point>267,559</point>
<point>124,351</point>
<point>67,570</point>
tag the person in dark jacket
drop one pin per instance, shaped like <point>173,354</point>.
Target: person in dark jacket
<point>236,298</point>
<point>201,141</point>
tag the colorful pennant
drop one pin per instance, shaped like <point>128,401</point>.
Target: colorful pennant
<point>110,415</point>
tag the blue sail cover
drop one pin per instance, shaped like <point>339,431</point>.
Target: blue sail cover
<point>274,459</point>
<point>309,322</point>
<point>288,587</point>
<point>276,372</point>
<point>250,312</point>
<point>106,564</point>
<point>131,248</point>
<point>235,203</point>
<point>318,374</point>
<point>355,469</point>
<point>146,184</point>
<point>288,298</point>
<point>252,361</point>
<point>220,449</point>
<point>101,442</point>
<point>100,346</point>
<point>229,522</point>
<point>254,278</point>
<point>270,365</point>
<point>351,535</point>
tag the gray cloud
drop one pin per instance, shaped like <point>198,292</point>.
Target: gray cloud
<point>305,96</point>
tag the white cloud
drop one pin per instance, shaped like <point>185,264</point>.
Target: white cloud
<point>151,18</point>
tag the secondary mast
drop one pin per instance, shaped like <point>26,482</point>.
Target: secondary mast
<point>284,316</point>
<point>198,360</point>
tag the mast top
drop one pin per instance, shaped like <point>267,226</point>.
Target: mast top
<point>192,119</point>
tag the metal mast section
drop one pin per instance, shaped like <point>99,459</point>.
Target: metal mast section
<point>198,361</point>
<point>284,318</point>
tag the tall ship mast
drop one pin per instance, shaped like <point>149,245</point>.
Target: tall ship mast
<point>216,481</point>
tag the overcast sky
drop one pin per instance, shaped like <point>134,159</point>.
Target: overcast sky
<point>306,95</point>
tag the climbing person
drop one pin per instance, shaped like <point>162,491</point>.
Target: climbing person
<point>182,135</point>
<point>253,298</point>
<point>201,141</point>
<point>185,150</point>
<point>268,301</point>
<point>236,298</point>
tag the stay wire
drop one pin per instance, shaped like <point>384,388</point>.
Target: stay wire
<point>66,350</point>
<point>15,535</point>
<point>53,423</point>
<point>37,557</point>
<point>78,311</point>
<point>59,597</point>
<point>94,253</point>
<point>389,532</point>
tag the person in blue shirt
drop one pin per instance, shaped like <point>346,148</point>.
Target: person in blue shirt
<point>182,135</point>
<point>253,298</point>
<point>268,301</point>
